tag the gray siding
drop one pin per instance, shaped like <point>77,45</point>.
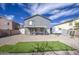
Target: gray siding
<point>38,21</point>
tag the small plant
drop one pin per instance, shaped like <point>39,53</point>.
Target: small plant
<point>40,47</point>
<point>67,52</point>
<point>43,47</point>
<point>52,49</point>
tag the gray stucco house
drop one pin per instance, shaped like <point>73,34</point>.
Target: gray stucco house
<point>37,25</point>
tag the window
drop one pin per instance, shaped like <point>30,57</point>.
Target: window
<point>30,22</point>
<point>76,24</point>
<point>7,23</point>
<point>59,28</point>
<point>70,24</point>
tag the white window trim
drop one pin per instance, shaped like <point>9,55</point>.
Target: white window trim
<point>30,22</point>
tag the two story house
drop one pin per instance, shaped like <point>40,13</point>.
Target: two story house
<point>8,27</point>
<point>37,24</point>
<point>67,27</point>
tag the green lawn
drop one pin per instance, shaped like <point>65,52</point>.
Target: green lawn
<point>36,47</point>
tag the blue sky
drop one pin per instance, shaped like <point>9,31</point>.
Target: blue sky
<point>57,12</point>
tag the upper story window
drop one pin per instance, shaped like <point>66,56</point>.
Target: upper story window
<point>7,23</point>
<point>59,28</point>
<point>70,24</point>
<point>76,24</point>
<point>30,22</point>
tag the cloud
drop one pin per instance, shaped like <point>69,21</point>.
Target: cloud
<point>10,17</point>
<point>46,7</point>
<point>27,10</point>
<point>54,23</point>
<point>77,4</point>
<point>22,17</point>
<point>21,5</point>
<point>65,20</point>
<point>3,6</point>
<point>13,4</point>
<point>64,13</point>
<point>34,7</point>
<point>24,7</point>
<point>54,11</point>
<point>21,23</point>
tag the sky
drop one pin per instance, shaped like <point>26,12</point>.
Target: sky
<point>57,12</point>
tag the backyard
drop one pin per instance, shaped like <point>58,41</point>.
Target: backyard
<point>41,46</point>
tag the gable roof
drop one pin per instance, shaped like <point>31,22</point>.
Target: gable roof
<point>37,15</point>
<point>4,18</point>
<point>68,21</point>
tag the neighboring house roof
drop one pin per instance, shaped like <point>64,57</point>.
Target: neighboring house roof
<point>37,15</point>
<point>68,21</point>
<point>4,18</point>
<point>4,21</point>
<point>1,17</point>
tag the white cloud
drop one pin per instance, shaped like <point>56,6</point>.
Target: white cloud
<point>64,13</point>
<point>10,17</point>
<point>21,5</point>
<point>27,10</point>
<point>44,8</point>
<point>54,23</point>
<point>54,11</point>
<point>24,7</point>
<point>22,17</point>
<point>34,6</point>
<point>13,4</point>
<point>77,4</point>
<point>2,5</point>
<point>21,23</point>
<point>65,20</point>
